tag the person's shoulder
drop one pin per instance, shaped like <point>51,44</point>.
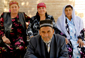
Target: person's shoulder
<point>60,17</point>
<point>59,37</point>
<point>4,14</point>
<point>79,18</point>
<point>50,16</point>
<point>34,41</point>
<point>34,38</point>
<point>21,12</point>
<point>33,18</point>
<point>59,20</point>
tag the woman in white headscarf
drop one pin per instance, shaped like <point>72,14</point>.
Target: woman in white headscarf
<point>71,26</point>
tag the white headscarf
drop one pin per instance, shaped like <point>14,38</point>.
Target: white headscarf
<point>77,22</point>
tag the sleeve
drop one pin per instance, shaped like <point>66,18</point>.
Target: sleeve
<point>29,30</point>
<point>81,35</point>
<point>81,28</point>
<point>30,27</point>
<point>63,49</point>
<point>1,28</point>
<point>30,49</point>
<point>52,19</point>
<point>54,25</point>
<point>27,18</point>
<point>57,31</point>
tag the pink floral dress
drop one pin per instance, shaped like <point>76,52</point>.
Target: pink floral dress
<point>16,36</point>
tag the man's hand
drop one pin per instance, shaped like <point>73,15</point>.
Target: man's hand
<point>66,40</point>
<point>80,42</point>
<point>6,40</point>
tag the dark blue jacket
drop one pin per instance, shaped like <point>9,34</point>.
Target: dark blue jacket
<point>36,48</point>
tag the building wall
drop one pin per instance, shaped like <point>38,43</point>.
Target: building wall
<point>54,7</point>
<point>80,9</point>
<point>2,6</point>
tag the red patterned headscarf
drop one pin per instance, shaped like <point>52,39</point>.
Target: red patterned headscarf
<point>13,2</point>
<point>41,5</point>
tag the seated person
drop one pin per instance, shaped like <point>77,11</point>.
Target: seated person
<point>13,32</point>
<point>46,44</point>
<point>71,26</point>
<point>33,28</point>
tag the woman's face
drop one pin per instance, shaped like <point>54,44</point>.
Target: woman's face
<point>68,12</point>
<point>14,8</point>
<point>41,10</point>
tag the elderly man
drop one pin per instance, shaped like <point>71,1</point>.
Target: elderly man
<point>47,44</point>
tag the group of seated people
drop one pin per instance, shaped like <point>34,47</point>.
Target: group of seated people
<point>48,39</point>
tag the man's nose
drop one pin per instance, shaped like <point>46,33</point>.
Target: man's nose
<point>68,11</point>
<point>46,34</point>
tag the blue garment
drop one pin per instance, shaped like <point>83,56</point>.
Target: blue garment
<point>73,38</point>
<point>61,24</point>
<point>72,29</point>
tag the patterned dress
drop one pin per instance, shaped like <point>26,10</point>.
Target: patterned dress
<point>16,36</point>
<point>72,45</point>
<point>73,38</point>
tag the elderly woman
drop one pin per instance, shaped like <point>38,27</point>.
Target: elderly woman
<point>41,14</point>
<point>13,32</point>
<point>71,26</point>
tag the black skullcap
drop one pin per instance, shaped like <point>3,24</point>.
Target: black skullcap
<point>46,23</point>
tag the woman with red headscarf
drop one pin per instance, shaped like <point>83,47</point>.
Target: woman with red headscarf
<point>41,14</point>
<point>13,32</point>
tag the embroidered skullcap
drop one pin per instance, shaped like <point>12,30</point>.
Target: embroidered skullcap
<point>44,23</point>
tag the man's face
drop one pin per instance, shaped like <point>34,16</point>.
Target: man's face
<point>46,33</point>
<point>68,12</point>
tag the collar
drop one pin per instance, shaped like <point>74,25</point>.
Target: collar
<point>69,20</point>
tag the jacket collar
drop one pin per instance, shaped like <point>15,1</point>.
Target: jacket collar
<point>38,17</point>
<point>52,47</point>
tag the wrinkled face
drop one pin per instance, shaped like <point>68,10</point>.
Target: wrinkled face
<point>41,10</point>
<point>14,8</point>
<point>46,33</point>
<point>68,12</point>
